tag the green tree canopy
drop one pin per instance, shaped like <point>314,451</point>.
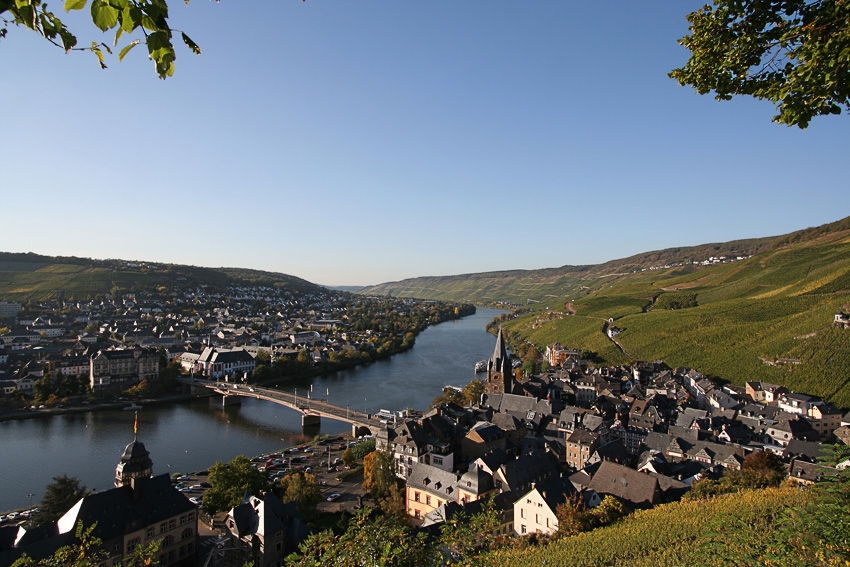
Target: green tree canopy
<point>795,53</point>
<point>59,496</point>
<point>301,488</point>
<point>229,482</point>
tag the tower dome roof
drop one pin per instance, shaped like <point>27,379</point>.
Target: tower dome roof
<point>135,451</point>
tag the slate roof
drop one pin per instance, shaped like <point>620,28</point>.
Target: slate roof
<point>637,489</point>
<point>267,516</point>
<point>123,510</point>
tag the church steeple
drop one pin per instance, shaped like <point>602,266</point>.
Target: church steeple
<point>135,461</point>
<point>499,369</point>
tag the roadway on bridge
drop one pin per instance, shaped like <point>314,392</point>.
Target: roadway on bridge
<point>304,405</point>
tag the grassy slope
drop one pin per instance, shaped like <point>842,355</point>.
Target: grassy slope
<point>666,536</point>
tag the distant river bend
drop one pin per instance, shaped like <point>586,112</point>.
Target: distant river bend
<point>191,436</point>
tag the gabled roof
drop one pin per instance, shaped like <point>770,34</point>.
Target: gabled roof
<point>636,489</point>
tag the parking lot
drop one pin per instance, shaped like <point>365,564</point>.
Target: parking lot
<point>322,459</point>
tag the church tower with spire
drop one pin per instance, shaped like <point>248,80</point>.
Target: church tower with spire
<point>499,370</point>
<point>135,461</point>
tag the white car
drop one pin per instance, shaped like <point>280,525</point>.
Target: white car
<point>333,497</point>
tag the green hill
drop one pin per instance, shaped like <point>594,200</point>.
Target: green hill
<point>733,321</point>
<point>32,277</point>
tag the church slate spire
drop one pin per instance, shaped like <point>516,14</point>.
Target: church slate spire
<point>499,369</point>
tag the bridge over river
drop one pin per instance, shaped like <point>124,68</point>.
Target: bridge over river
<point>312,411</point>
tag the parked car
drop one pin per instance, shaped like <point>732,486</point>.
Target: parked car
<point>333,496</point>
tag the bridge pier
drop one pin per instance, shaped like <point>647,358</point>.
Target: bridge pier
<point>230,401</point>
<point>359,430</point>
<point>310,419</point>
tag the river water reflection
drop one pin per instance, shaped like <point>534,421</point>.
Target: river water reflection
<point>191,436</point>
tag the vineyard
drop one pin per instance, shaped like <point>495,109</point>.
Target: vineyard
<point>724,320</point>
<point>671,535</point>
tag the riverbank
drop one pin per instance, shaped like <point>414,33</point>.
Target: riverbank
<point>190,434</point>
<point>10,415</point>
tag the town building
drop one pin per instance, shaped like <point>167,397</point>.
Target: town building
<point>120,369</point>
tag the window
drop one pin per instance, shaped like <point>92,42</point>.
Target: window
<point>416,497</point>
<point>523,529</point>
<point>191,517</point>
<point>522,512</point>
<point>438,460</point>
<point>163,528</point>
<point>537,519</point>
<point>427,500</point>
<point>150,533</point>
<point>182,520</point>
<point>416,514</point>
<point>171,524</point>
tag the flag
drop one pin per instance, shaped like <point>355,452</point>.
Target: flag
<point>136,424</point>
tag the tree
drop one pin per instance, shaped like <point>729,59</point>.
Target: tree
<point>149,17</point>
<point>795,53</point>
<point>301,488</point>
<point>472,392</point>
<point>571,516</point>
<point>379,474</point>
<point>371,539</point>
<point>59,497</point>
<point>229,482</point>
<point>348,457</point>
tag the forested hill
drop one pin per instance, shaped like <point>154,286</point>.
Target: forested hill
<point>545,285</point>
<point>33,277</point>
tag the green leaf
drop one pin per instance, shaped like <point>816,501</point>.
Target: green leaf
<point>74,5</point>
<point>127,49</point>
<point>131,18</point>
<point>148,23</point>
<point>68,39</point>
<point>191,44</point>
<point>96,50</point>
<point>103,15</point>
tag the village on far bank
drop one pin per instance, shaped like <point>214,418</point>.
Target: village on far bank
<point>527,444</point>
<point>59,353</point>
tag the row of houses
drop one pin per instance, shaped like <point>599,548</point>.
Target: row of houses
<point>642,434</point>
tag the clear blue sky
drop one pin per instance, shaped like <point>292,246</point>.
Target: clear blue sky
<point>357,142</point>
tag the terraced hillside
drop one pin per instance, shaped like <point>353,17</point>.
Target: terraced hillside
<point>32,277</point>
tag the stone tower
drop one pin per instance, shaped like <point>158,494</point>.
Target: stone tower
<point>135,461</point>
<point>499,370</point>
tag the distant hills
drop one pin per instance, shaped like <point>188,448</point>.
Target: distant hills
<point>524,286</point>
<point>33,277</point>
<point>763,312</point>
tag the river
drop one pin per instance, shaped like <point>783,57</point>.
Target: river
<point>191,436</point>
